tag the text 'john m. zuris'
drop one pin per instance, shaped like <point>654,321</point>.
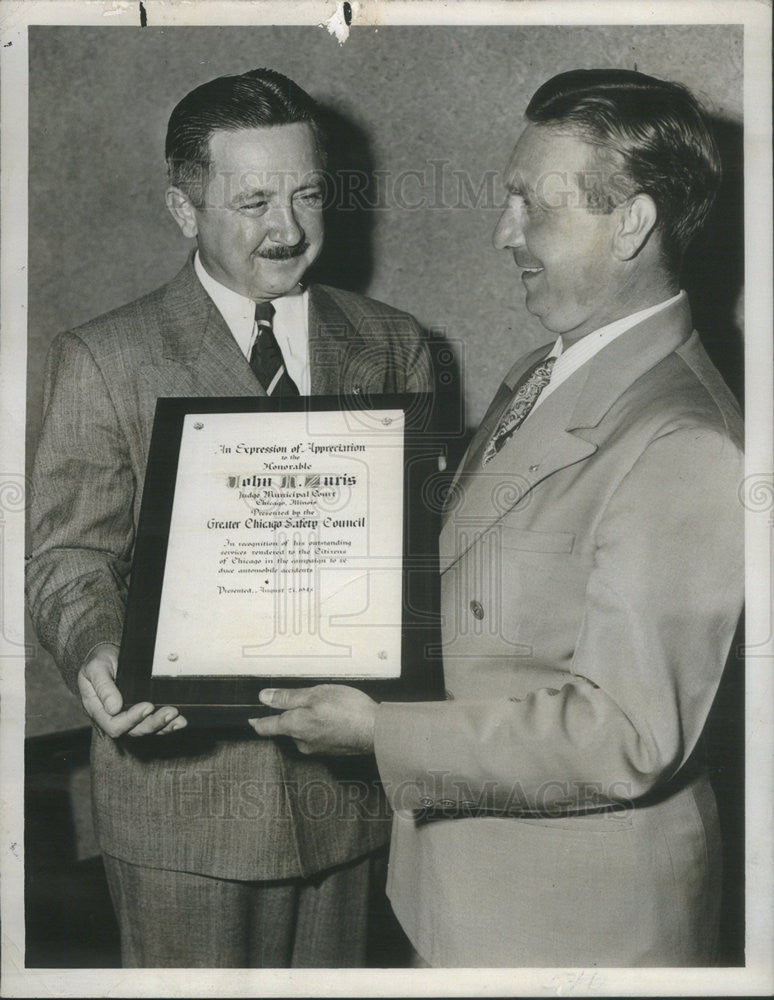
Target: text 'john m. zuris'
<point>289,482</point>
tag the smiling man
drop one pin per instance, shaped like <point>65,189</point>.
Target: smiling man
<point>575,285</point>
<point>218,852</point>
<point>556,809</point>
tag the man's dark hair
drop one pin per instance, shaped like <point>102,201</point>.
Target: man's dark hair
<point>258,99</point>
<point>664,144</point>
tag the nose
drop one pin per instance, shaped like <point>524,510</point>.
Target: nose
<point>283,226</point>
<point>509,232</point>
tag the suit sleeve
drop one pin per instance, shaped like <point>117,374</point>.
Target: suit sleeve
<point>81,521</point>
<point>662,602</point>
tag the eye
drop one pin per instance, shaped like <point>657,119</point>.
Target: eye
<point>254,207</point>
<point>517,200</point>
<point>311,198</point>
<point>532,206</point>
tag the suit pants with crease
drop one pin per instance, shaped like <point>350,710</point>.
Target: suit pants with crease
<point>172,919</point>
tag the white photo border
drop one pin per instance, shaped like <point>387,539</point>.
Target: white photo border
<point>756,978</point>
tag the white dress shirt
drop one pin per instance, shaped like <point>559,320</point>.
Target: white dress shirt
<point>291,323</point>
<point>570,360</point>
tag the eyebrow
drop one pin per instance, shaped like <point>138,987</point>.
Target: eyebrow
<point>311,186</point>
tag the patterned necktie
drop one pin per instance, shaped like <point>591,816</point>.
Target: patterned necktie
<point>532,384</point>
<point>266,357</point>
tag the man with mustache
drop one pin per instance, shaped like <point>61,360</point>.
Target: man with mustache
<point>556,810</point>
<point>218,853</point>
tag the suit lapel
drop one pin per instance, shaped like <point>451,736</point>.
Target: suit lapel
<point>557,434</point>
<point>195,334</point>
<point>484,495</point>
<point>498,405</point>
<point>629,357</point>
<point>333,341</point>
<point>493,414</point>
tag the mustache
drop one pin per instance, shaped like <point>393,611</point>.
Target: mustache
<point>282,252</point>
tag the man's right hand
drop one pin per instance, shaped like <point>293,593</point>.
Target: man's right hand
<point>103,702</point>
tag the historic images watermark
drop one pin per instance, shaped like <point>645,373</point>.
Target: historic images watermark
<point>204,794</point>
<point>434,185</point>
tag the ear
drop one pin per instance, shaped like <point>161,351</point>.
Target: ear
<point>182,210</point>
<point>637,221</point>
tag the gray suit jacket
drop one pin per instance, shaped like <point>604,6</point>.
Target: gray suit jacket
<point>592,578</point>
<point>229,807</point>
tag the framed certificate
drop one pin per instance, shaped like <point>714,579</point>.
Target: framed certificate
<point>283,543</point>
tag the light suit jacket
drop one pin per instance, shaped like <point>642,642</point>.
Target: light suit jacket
<point>229,807</point>
<point>592,582</point>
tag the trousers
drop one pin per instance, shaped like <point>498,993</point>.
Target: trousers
<point>171,919</point>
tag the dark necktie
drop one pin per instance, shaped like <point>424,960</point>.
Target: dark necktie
<point>266,357</point>
<point>531,385</point>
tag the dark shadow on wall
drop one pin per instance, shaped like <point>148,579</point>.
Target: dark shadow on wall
<point>713,272</point>
<point>725,745</point>
<point>353,197</point>
<point>347,257</point>
<point>68,914</point>
<point>713,276</point>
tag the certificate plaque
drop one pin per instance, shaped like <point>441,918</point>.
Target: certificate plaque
<point>283,543</point>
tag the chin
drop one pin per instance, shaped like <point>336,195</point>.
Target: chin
<point>280,280</point>
<point>551,322</point>
<point>535,311</point>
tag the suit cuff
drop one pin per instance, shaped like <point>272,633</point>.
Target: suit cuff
<point>102,624</point>
<point>410,765</point>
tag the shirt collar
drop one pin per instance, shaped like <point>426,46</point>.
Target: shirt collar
<point>237,310</point>
<point>570,359</point>
<point>595,341</point>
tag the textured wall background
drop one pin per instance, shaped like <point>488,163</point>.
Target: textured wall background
<point>435,111</point>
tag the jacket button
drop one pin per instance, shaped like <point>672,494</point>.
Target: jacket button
<point>534,468</point>
<point>478,609</point>
<point>356,390</point>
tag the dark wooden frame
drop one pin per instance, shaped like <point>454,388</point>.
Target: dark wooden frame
<point>216,700</point>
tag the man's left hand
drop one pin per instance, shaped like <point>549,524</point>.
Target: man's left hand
<point>328,718</point>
